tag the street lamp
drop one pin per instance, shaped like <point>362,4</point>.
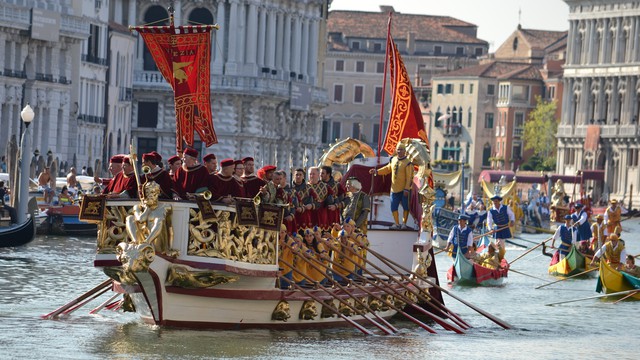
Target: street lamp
<point>27,116</point>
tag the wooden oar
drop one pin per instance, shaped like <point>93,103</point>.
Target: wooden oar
<point>566,278</point>
<point>431,315</point>
<point>342,301</point>
<point>490,232</point>
<point>440,251</point>
<point>388,262</point>
<point>594,297</point>
<point>336,283</point>
<point>77,300</point>
<point>530,250</point>
<point>548,231</point>
<point>101,306</point>
<point>516,244</point>
<point>330,307</point>
<point>525,274</point>
<point>627,296</point>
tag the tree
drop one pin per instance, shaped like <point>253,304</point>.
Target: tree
<point>540,133</point>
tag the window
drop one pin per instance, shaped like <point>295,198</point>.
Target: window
<point>516,151</point>
<point>488,121</point>
<point>377,47</point>
<point>552,92</point>
<point>378,95</point>
<point>325,132</point>
<point>339,65</point>
<point>380,67</point>
<point>358,94</point>
<point>520,93</point>
<point>335,130</point>
<point>440,89</point>
<point>437,50</point>
<point>470,88</point>
<point>479,51</point>
<point>356,131</point>
<point>461,88</point>
<point>147,145</point>
<point>147,114</point>
<point>355,45</point>
<point>337,93</point>
<point>469,118</point>
<point>448,89</point>
<point>359,66</point>
<point>459,51</point>
<point>491,89</point>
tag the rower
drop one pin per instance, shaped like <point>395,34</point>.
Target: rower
<point>613,251</point>
<point>500,217</point>
<point>584,228</point>
<point>567,237</point>
<point>460,236</point>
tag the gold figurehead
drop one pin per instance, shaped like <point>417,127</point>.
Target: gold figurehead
<point>151,221</point>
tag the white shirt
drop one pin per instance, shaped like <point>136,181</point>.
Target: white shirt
<point>574,235</point>
<point>623,254</point>
<point>490,217</point>
<point>583,218</point>
<point>452,232</point>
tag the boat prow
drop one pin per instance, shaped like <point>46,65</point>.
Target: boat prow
<point>614,281</point>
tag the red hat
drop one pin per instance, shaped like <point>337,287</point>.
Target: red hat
<point>248,158</point>
<point>262,174</point>
<point>227,162</point>
<point>126,160</point>
<point>116,159</point>
<point>173,159</point>
<point>209,157</point>
<point>157,156</point>
<point>236,162</point>
<point>268,168</point>
<point>191,152</point>
<point>148,157</point>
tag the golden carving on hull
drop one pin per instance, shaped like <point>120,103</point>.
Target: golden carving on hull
<point>220,237</point>
<point>112,230</point>
<point>308,311</point>
<point>418,154</point>
<point>360,305</point>
<point>181,276</point>
<point>375,304</point>
<point>387,300</point>
<point>423,264</point>
<point>150,222</point>
<point>325,312</point>
<point>411,296</point>
<point>345,309</point>
<point>281,312</point>
<point>127,304</point>
<point>399,302</point>
<point>134,258</point>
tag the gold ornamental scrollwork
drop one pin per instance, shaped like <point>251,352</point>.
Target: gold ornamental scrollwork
<point>112,230</point>
<point>281,312</point>
<point>308,311</point>
<point>181,276</point>
<point>134,258</point>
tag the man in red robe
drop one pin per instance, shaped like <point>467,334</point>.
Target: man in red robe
<point>191,177</point>
<point>323,199</point>
<point>124,184</point>
<point>226,186</point>
<point>157,174</point>
<point>304,200</point>
<point>211,163</point>
<point>174,163</point>
<point>334,210</point>
<point>115,166</point>
<point>252,183</point>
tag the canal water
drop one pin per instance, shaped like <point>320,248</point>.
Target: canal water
<point>38,278</point>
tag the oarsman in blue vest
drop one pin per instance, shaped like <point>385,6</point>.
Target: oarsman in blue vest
<point>461,236</point>
<point>583,225</point>
<point>499,218</point>
<point>567,236</point>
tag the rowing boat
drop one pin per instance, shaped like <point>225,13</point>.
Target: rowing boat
<point>612,281</point>
<point>574,263</point>
<point>466,272</point>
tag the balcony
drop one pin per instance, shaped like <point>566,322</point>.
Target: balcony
<point>451,130</point>
<point>92,119</point>
<point>518,132</point>
<point>44,77</point>
<point>15,73</point>
<point>94,60</point>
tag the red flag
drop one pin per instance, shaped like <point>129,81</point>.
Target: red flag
<point>182,55</point>
<point>406,118</point>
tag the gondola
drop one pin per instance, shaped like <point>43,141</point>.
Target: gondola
<point>573,263</point>
<point>613,281</point>
<point>469,273</point>
<point>17,235</point>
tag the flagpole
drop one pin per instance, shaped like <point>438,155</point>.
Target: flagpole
<point>384,86</point>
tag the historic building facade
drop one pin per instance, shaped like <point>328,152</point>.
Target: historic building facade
<point>354,66</point>
<point>601,106</point>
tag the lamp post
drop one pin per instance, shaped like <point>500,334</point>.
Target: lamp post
<point>27,116</point>
<point>462,198</point>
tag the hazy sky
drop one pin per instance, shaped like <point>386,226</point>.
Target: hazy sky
<point>496,19</point>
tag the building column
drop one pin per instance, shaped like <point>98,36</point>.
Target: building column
<point>617,43</point>
<point>304,51</point>
<point>272,40</point>
<point>313,52</point>
<point>280,35</point>
<point>263,38</point>
<point>635,57</point>
<point>295,44</point>
<point>286,56</point>
<point>233,36</point>
<point>218,40</point>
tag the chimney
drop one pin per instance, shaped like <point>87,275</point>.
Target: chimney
<point>386,9</point>
<point>411,43</point>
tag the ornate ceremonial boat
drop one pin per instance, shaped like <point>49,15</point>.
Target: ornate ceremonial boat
<point>572,264</point>
<point>466,272</point>
<point>614,281</point>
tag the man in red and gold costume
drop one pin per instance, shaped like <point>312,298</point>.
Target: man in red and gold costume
<point>304,199</point>
<point>612,217</point>
<point>335,209</point>
<point>269,191</point>
<point>115,166</point>
<point>157,174</point>
<point>191,177</point>
<point>252,183</point>
<point>323,199</point>
<point>174,164</point>
<point>287,198</point>
<point>124,184</point>
<point>211,163</point>
<point>226,186</point>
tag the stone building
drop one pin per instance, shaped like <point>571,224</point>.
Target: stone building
<point>601,105</point>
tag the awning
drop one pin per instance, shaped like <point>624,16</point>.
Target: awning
<point>492,176</point>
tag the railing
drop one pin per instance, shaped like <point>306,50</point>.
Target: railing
<point>15,73</point>
<point>94,59</point>
<point>518,132</point>
<point>64,80</point>
<point>44,77</point>
<point>92,119</point>
<point>74,24</point>
<point>15,15</point>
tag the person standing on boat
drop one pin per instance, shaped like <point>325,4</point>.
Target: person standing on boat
<point>174,164</point>
<point>598,233</point>
<point>358,204</point>
<point>157,174</point>
<point>339,192</point>
<point>252,183</point>
<point>115,167</point>
<point>124,184</point>
<point>322,200</point>
<point>567,236</point>
<point>612,217</point>
<point>285,196</point>
<point>226,186</point>
<point>500,218</point>
<point>584,228</point>
<point>304,199</point>
<point>613,251</point>
<point>191,177</point>
<point>44,180</point>
<point>460,236</point>
<point>72,182</point>
<point>269,191</point>
<point>401,170</point>
<point>211,163</point>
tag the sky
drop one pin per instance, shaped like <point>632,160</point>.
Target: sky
<point>496,19</point>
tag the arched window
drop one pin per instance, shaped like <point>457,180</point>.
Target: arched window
<point>157,16</point>
<point>469,118</point>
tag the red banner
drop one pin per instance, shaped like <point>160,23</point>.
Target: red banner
<point>406,118</point>
<point>182,55</point>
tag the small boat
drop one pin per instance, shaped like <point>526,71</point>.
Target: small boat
<point>573,263</point>
<point>63,220</point>
<point>17,234</point>
<point>613,281</point>
<point>466,272</point>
